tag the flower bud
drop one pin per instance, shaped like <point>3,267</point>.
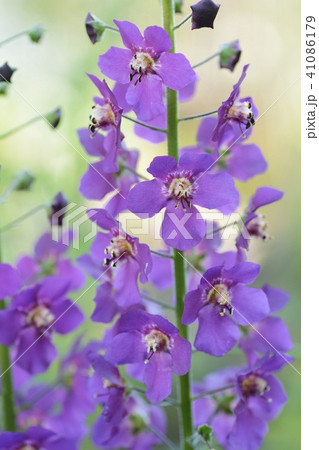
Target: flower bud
<point>24,181</point>
<point>56,212</point>
<point>36,33</point>
<point>95,28</point>
<point>229,55</point>
<point>204,14</point>
<point>178,6</point>
<point>54,117</point>
<point>6,73</point>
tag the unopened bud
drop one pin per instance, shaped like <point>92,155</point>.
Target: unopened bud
<point>57,206</point>
<point>204,14</point>
<point>229,55</point>
<point>54,117</point>
<point>36,33</point>
<point>24,181</point>
<point>95,28</point>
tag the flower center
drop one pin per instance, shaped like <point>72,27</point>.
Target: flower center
<point>102,116</point>
<point>40,317</point>
<point>220,296</point>
<point>141,64</point>
<point>242,112</point>
<point>258,227</point>
<point>181,187</point>
<point>120,246</point>
<point>156,341</point>
<point>255,386</point>
<point>28,447</point>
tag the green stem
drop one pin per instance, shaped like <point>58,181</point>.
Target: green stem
<point>109,27</point>
<point>6,381</point>
<point>186,19</point>
<point>157,302</point>
<point>15,36</point>
<point>215,391</point>
<point>22,218</point>
<point>222,228</point>
<point>163,437</point>
<point>136,173</point>
<point>204,61</point>
<point>163,255</point>
<point>162,130</point>
<point>198,116</point>
<point>20,127</point>
<point>179,266</point>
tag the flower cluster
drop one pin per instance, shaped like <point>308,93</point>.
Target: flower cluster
<point>144,349</point>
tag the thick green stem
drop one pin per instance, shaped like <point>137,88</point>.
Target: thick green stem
<point>179,266</point>
<point>6,382</point>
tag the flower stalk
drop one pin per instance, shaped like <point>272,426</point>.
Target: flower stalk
<point>6,381</point>
<point>198,116</point>
<point>179,265</point>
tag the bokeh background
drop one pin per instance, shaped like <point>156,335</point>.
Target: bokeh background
<point>53,73</point>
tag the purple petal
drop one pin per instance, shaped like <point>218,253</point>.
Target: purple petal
<point>53,288</point>
<point>93,144</point>
<point>248,431</point>
<point>263,196</point>
<point>95,183</point>
<point>37,354</point>
<point>153,136</point>
<point>162,272</point>
<point>120,91</point>
<point>250,304</point>
<point>125,284</point>
<point>115,64</point>
<point>181,355</point>
<point>105,306</point>
<point>103,219</point>
<point>187,92</point>
<point>195,162</point>
<point>216,335</point>
<point>158,39</point>
<point>28,269</point>
<point>271,334</point>
<point>175,70</point>
<point>277,298</point>
<point>204,133</point>
<point>158,377</point>
<point>67,316</point>
<point>130,34</point>
<point>11,322</point>
<point>66,269</point>
<point>217,192</point>
<point>161,166</point>
<point>127,348</point>
<point>192,305</point>
<point>245,272</point>
<point>10,281</point>
<point>100,243</point>
<point>146,97</point>
<point>146,198</point>
<point>246,161</point>
<point>182,230</point>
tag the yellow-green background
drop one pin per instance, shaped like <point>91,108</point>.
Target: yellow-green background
<point>53,73</point>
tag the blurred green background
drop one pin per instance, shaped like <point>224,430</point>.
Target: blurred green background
<point>53,73</point>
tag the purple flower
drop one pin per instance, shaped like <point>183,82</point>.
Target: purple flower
<point>230,154</point>
<point>106,116</point>
<point>32,312</point>
<point>116,248</point>
<point>177,187</point>
<point>229,55</point>
<point>10,281</point>
<point>35,438</point>
<point>147,64</point>
<point>155,343</point>
<point>49,259</point>
<point>221,294</point>
<point>235,111</point>
<point>204,14</point>
<point>254,224</point>
<point>261,399</point>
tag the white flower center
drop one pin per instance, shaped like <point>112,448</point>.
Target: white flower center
<point>119,247</point>
<point>156,341</point>
<point>220,295</point>
<point>258,228</point>
<point>242,112</point>
<point>102,115</point>
<point>40,317</point>
<point>253,385</point>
